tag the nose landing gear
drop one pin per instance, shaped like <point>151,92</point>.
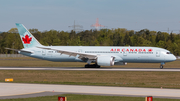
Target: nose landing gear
<point>161,66</point>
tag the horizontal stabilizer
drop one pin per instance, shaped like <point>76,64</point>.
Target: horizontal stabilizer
<point>19,50</point>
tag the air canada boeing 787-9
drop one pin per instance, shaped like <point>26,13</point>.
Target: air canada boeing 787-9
<point>99,55</point>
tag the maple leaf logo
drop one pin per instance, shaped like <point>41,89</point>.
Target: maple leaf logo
<point>149,50</point>
<point>26,39</point>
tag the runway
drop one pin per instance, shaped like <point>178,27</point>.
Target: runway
<point>10,90</point>
<point>92,69</point>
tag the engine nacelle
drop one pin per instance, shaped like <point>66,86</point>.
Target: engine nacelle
<point>105,60</point>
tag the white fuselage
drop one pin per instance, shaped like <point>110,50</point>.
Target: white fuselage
<point>121,54</point>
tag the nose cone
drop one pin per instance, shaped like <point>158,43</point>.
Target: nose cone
<point>173,58</point>
<point>170,58</point>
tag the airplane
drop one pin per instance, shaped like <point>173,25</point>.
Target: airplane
<point>99,55</point>
<point>97,25</point>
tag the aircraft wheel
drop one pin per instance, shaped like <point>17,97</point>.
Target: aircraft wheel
<point>86,66</point>
<point>161,67</point>
<point>92,66</point>
<point>97,66</point>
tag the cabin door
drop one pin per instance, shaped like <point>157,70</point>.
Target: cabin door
<point>43,53</point>
<point>125,53</point>
<point>157,53</point>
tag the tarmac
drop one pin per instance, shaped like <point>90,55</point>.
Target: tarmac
<point>24,90</point>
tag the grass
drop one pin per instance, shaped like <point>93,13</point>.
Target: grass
<point>98,78</point>
<point>78,97</point>
<point>32,62</point>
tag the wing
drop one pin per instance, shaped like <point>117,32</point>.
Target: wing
<point>72,53</point>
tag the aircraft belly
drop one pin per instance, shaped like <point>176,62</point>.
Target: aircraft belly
<point>141,59</point>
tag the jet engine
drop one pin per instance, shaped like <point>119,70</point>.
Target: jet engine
<point>105,60</point>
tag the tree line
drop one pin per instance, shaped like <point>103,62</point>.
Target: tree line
<point>104,37</point>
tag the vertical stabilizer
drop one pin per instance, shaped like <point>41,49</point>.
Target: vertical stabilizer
<point>27,38</point>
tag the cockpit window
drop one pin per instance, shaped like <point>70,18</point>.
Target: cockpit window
<point>168,53</point>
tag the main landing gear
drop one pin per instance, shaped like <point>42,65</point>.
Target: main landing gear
<point>92,66</point>
<point>161,66</point>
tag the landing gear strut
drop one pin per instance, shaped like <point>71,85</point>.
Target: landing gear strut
<point>92,66</point>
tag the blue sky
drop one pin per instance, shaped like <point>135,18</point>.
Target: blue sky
<point>158,15</point>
